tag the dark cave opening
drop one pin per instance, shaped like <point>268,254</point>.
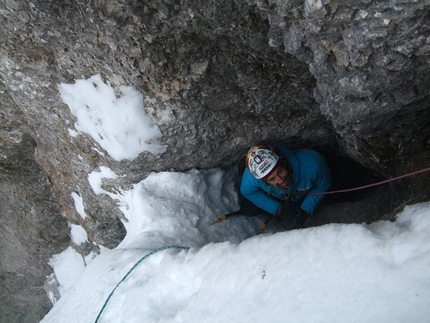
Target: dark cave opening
<point>358,205</point>
<point>348,174</point>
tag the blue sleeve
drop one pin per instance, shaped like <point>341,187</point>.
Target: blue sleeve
<point>251,190</point>
<point>321,182</point>
<point>283,151</point>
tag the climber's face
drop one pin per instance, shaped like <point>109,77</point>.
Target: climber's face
<point>279,176</point>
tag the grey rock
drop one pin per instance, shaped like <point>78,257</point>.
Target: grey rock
<point>348,78</point>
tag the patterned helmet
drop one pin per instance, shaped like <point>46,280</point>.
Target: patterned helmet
<point>260,160</point>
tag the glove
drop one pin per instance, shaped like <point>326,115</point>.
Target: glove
<point>287,212</point>
<point>302,216</point>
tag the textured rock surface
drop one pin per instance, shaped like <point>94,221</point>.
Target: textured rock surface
<point>349,78</point>
<point>31,228</point>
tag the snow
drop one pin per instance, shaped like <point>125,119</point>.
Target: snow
<point>115,119</point>
<point>79,204</point>
<point>77,234</point>
<point>95,179</point>
<point>68,266</point>
<point>332,273</point>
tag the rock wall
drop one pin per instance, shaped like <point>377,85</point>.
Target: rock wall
<point>30,229</point>
<point>349,78</point>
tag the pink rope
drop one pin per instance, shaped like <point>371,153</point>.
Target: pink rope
<point>375,184</point>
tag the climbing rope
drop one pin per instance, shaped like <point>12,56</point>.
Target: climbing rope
<point>375,184</point>
<point>132,268</point>
<point>264,225</point>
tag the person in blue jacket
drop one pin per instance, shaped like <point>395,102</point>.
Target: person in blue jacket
<point>284,183</point>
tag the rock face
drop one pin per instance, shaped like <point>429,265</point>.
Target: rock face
<point>348,78</point>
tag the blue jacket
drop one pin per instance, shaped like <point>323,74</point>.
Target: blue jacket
<point>311,174</point>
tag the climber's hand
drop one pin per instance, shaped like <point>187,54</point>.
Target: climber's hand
<point>287,212</point>
<point>302,216</point>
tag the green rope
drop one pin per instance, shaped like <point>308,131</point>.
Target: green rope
<point>132,268</point>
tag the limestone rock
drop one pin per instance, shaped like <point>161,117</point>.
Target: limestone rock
<point>348,78</point>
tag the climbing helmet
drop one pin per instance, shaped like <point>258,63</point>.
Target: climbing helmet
<point>260,160</point>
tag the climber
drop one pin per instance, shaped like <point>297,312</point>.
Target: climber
<point>283,183</point>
